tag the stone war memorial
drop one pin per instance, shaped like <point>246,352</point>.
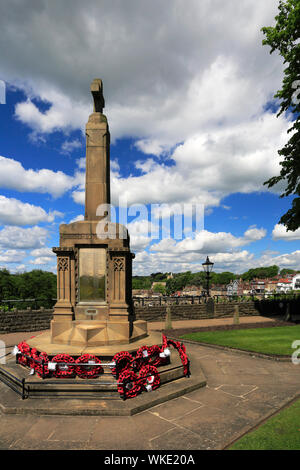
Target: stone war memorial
<point>94,311</point>
<point>95,347</point>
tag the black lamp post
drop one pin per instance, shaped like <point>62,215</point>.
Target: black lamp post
<point>207,266</point>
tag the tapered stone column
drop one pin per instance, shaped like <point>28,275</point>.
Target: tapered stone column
<point>97,187</point>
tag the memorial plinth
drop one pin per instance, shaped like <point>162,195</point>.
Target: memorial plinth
<point>94,262</point>
<point>94,305</point>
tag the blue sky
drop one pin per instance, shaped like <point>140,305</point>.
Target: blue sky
<point>191,116</point>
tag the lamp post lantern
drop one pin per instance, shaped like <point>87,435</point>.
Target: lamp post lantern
<point>207,266</point>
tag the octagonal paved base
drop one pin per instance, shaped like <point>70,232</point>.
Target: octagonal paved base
<point>43,342</point>
<point>113,405</point>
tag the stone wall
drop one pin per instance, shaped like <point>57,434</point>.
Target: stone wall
<point>195,312</point>
<point>25,320</point>
<point>35,320</point>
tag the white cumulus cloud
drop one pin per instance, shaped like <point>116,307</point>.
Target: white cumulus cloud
<point>12,256</point>
<point>19,237</point>
<point>281,233</point>
<point>14,176</point>
<point>15,212</point>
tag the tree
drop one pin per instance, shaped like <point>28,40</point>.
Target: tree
<point>198,279</point>
<point>158,276</point>
<point>141,282</point>
<point>36,284</point>
<point>6,284</point>
<point>159,289</point>
<point>284,37</point>
<point>178,282</point>
<point>285,271</point>
<point>223,278</point>
<point>261,273</point>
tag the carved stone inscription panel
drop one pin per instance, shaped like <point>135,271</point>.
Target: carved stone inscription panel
<point>92,274</point>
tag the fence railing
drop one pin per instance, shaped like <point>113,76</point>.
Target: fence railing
<point>34,304</point>
<point>202,299</point>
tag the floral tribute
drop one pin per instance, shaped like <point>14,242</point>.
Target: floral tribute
<point>129,384</point>
<point>121,360</point>
<point>25,353</point>
<point>42,371</point>
<point>134,374</point>
<point>64,366</point>
<point>92,370</point>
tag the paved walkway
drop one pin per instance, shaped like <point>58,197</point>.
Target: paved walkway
<point>209,322</point>
<point>241,391</point>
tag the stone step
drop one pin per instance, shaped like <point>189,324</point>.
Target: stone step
<point>101,404</point>
<point>17,377</point>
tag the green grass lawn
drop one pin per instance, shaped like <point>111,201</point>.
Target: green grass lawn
<point>281,432</point>
<point>273,340</point>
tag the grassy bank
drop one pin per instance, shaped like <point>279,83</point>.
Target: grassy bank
<point>276,341</point>
<point>282,432</point>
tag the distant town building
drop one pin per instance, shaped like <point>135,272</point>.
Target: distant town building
<point>271,285</point>
<point>235,287</point>
<point>284,285</point>
<point>192,290</point>
<point>141,292</point>
<point>257,286</point>
<point>296,282</point>
<point>247,289</point>
<point>218,289</point>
